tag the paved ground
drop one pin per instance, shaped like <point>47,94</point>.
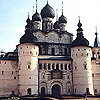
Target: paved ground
<point>49,98</point>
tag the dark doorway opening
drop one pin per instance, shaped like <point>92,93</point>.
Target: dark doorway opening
<point>56,90</point>
<point>43,91</point>
<point>29,91</point>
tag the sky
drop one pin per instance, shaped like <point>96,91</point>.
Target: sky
<point>13,15</point>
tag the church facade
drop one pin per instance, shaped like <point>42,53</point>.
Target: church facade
<point>47,61</point>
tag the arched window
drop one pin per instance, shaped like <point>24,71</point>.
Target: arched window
<point>49,66</point>
<point>75,90</point>
<point>65,51</point>
<point>78,49</point>
<point>30,52</point>
<point>68,77</point>
<point>93,54</point>
<point>87,54</point>
<point>69,66</point>
<point>40,50</point>
<point>65,66</point>
<point>75,67</point>
<point>57,66</point>
<point>53,51</point>
<point>85,66</point>
<point>28,66</point>
<point>61,66</point>
<point>40,66</point>
<point>14,77</point>
<point>69,90</point>
<point>2,72</point>
<point>53,66</point>
<point>45,66</point>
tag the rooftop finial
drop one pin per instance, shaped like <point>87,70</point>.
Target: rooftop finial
<point>47,1</point>
<point>28,15</point>
<point>28,19</point>
<point>79,23</point>
<point>62,7</point>
<point>96,39</point>
<point>36,5</point>
<point>56,14</point>
<point>79,18</point>
<point>33,9</point>
<point>96,29</point>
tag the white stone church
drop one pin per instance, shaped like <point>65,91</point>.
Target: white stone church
<point>47,61</point>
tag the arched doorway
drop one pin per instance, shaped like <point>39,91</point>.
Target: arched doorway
<point>56,90</point>
<point>43,91</point>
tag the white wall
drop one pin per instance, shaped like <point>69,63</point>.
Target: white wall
<point>8,77</point>
<point>28,77</point>
<point>82,77</point>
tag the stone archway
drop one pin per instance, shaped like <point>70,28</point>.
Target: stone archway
<point>56,90</point>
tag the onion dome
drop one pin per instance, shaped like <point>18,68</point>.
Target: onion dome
<point>80,40</point>
<point>47,11</point>
<point>28,21</point>
<point>28,37</point>
<point>36,17</point>
<point>62,19</point>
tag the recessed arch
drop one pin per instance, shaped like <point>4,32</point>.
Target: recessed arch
<point>56,90</point>
<point>43,91</point>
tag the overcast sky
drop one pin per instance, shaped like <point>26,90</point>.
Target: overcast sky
<point>13,15</point>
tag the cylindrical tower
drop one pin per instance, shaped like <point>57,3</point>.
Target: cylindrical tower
<point>82,69</point>
<point>28,64</point>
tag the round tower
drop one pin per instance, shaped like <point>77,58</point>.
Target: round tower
<point>28,64</point>
<point>81,54</point>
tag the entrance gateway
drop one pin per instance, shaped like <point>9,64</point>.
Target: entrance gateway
<point>56,90</point>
